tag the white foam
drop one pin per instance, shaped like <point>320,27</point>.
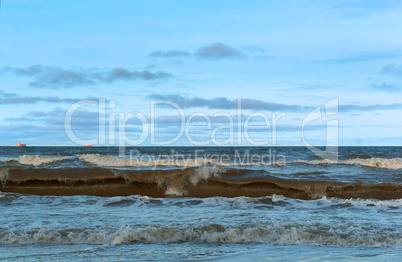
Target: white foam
<point>213,233</point>
<point>151,161</point>
<point>134,199</point>
<point>276,198</point>
<point>203,173</point>
<point>364,202</point>
<point>4,176</point>
<point>392,163</point>
<point>35,160</point>
<point>175,186</point>
<point>105,160</point>
<point>113,161</point>
<point>174,190</point>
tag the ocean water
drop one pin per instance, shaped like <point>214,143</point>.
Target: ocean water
<point>210,203</point>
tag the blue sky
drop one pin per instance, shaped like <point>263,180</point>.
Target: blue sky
<point>278,56</point>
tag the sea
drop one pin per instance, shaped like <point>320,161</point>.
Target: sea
<point>200,204</point>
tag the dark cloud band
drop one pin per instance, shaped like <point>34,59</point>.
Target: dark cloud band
<point>224,103</point>
<point>170,54</point>
<point>56,77</point>
<point>218,51</point>
<point>8,98</point>
<point>254,104</point>
<point>392,69</point>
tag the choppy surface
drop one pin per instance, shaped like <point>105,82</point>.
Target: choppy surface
<point>305,209</point>
<point>203,172</point>
<point>184,228</point>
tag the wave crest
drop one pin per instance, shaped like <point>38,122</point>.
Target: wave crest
<point>113,161</point>
<point>204,181</point>
<point>394,203</point>
<point>159,161</point>
<point>210,233</point>
<point>392,163</point>
<point>34,160</point>
<point>175,185</point>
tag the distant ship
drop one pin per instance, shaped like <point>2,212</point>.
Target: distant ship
<point>88,145</point>
<point>19,145</point>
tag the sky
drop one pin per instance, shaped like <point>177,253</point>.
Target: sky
<point>175,72</point>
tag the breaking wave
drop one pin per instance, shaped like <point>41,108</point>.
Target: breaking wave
<point>393,163</point>
<point>394,203</point>
<point>204,181</point>
<point>248,202</point>
<point>113,161</point>
<point>154,161</point>
<point>35,160</point>
<point>210,233</point>
<point>241,202</point>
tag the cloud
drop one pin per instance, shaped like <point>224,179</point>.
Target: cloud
<point>253,104</point>
<point>359,57</point>
<point>172,124</point>
<point>218,51</point>
<point>40,127</point>
<point>44,125</point>
<point>214,52</point>
<point>56,77</point>
<point>37,116</point>
<point>384,86</point>
<point>84,118</point>
<point>124,74</point>
<point>392,69</point>
<point>349,108</point>
<point>224,103</point>
<point>170,54</point>
<point>53,76</point>
<point>8,98</point>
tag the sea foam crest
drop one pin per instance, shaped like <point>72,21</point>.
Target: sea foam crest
<point>175,187</point>
<point>113,161</point>
<point>35,160</point>
<point>105,160</point>
<point>209,233</point>
<point>3,176</point>
<point>392,163</point>
<point>364,202</point>
<point>248,202</point>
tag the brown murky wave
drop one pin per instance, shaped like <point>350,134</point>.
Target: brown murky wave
<point>205,181</point>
